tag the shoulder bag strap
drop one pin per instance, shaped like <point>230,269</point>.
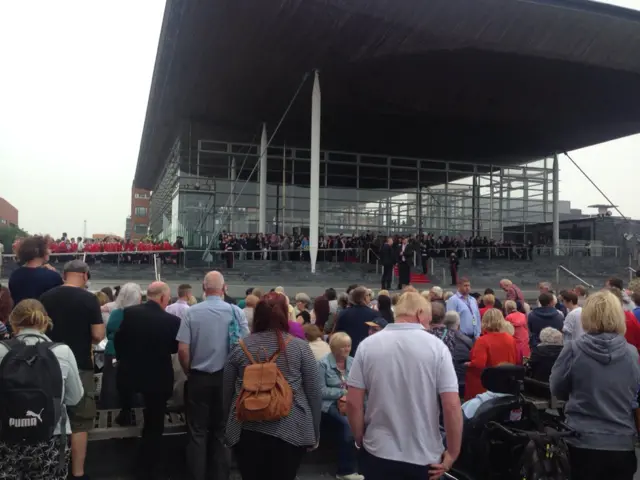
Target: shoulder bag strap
<point>246,352</point>
<point>444,334</point>
<point>275,356</point>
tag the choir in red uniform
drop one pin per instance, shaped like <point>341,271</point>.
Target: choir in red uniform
<point>110,250</point>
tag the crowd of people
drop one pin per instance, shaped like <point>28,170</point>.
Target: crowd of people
<point>397,376</point>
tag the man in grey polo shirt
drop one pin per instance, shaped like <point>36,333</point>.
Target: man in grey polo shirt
<point>399,433</point>
<point>203,349</point>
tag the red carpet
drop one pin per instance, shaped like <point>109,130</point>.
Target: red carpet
<point>415,277</point>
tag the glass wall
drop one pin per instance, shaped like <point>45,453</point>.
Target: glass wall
<point>358,193</point>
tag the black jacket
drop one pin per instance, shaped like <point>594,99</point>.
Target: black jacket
<point>408,253</point>
<point>542,359</point>
<point>353,320</point>
<point>387,255</point>
<point>144,345</point>
<point>461,354</point>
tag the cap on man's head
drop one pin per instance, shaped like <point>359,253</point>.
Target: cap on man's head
<point>76,266</point>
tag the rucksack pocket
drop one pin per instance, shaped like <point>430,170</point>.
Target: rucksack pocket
<point>27,416</point>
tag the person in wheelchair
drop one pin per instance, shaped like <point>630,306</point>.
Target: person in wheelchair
<point>489,453</point>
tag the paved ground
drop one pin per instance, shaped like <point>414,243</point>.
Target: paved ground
<point>238,290</point>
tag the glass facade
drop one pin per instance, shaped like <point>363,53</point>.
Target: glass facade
<point>219,190</point>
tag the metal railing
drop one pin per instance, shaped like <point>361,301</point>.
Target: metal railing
<point>157,265</point>
<point>632,272</point>
<point>566,270</point>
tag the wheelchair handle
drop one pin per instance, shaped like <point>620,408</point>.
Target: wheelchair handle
<point>525,434</point>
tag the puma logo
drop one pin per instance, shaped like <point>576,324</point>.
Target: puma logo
<point>35,415</point>
<point>31,420</point>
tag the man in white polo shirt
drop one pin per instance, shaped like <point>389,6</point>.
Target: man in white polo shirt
<point>404,370</point>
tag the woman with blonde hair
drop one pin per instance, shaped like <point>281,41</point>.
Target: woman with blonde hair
<point>48,459</point>
<point>598,376</point>
<point>494,347</point>
<point>334,371</point>
<point>250,304</point>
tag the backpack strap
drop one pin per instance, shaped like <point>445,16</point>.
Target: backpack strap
<point>246,352</point>
<point>275,356</point>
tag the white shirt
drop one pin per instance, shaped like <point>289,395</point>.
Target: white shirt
<point>403,369</point>
<point>572,327</point>
<point>178,308</point>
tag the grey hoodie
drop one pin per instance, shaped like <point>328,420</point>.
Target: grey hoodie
<point>599,375</point>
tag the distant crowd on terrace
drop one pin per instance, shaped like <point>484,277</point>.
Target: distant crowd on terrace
<point>354,248</point>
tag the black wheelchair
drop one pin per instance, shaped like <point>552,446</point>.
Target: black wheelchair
<point>509,437</point>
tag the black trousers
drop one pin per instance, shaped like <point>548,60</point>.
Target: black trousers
<point>262,456</point>
<point>376,468</point>
<point>404,274</point>
<point>387,274</point>
<point>207,456</point>
<point>587,464</point>
<point>155,404</point>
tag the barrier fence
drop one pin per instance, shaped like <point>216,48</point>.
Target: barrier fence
<point>196,257</point>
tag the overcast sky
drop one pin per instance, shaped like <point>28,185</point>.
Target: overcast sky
<point>73,95</point>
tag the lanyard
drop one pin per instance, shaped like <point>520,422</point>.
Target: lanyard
<point>473,317</point>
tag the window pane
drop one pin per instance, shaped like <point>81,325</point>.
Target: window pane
<point>141,211</point>
<point>140,228</point>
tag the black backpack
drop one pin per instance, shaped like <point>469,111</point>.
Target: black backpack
<point>30,388</point>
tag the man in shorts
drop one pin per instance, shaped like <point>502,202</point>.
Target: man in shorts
<point>75,312</point>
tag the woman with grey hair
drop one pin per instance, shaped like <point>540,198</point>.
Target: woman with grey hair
<point>302,304</point>
<point>461,352</point>
<point>544,355</point>
<point>130,294</point>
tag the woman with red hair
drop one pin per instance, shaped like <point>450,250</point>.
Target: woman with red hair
<point>274,449</point>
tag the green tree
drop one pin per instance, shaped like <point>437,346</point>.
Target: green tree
<point>8,236</point>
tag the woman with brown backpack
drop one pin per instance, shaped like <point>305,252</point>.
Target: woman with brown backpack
<point>272,396</point>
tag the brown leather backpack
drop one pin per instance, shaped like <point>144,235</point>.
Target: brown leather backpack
<point>265,394</point>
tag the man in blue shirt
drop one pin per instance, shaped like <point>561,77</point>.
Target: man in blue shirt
<point>203,348</point>
<point>467,308</point>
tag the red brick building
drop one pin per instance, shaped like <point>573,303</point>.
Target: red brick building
<point>8,214</point>
<point>139,224</point>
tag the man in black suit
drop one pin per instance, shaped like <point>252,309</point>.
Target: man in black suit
<point>144,345</point>
<point>388,260</point>
<point>405,255</point>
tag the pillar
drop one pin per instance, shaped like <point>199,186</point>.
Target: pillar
<point>314,187</point>
<point>555,206</point>
<point>262,207</point>
<point>232,177</point>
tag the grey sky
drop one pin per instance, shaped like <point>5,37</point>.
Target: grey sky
<point>73,96</point>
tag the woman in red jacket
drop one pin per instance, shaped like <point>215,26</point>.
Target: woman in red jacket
<point>494,347</point>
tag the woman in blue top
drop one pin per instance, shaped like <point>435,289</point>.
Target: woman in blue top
<point>35,276</point>
<point>130,294</point>
<point>334,370</point>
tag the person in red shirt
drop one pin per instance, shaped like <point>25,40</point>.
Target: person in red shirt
<point>493,348</point>
<point>632,335</point>
<point>489,302</point>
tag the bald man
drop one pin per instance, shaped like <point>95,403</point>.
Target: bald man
<point>204,345</point>
<point>144,345</point>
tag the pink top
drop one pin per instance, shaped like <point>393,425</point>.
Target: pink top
<point>521,333</point>
<point>296,330</point>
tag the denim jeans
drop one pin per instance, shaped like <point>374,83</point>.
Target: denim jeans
<point>347,451</point>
